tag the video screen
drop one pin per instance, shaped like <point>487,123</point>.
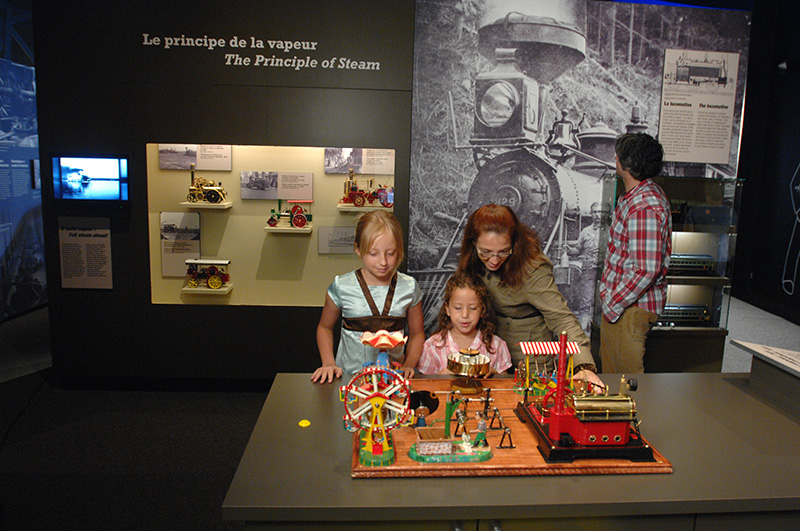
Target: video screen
<point>98,178</point>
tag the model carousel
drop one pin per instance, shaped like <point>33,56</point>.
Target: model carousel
<point>468,364</point>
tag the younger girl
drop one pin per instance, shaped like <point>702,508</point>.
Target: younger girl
<point>465,322</point>
<point>358,296</point>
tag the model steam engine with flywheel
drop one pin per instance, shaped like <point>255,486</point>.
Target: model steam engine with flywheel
<point>570,425</point>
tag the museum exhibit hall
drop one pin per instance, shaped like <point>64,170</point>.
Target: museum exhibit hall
<point>325,265</point>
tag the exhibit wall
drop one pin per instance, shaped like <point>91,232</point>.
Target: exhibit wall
<point>767,269</point>
<point>23,282</point>
<point>122,78</point>
<point>115,77</point>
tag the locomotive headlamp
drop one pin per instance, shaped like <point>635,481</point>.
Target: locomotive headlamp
<point>506,104</point>
<point>496,105</point>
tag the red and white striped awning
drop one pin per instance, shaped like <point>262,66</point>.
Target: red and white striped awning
<point>544,348</point>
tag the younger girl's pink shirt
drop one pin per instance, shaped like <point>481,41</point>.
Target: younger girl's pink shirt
<point>434,353</point>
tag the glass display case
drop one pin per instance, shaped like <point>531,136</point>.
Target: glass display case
<point>703,242</point>
<point>690,334</point>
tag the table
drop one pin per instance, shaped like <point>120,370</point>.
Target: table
<point>735,456</point>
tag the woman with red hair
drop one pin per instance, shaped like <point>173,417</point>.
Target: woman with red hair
<point>507,256</point>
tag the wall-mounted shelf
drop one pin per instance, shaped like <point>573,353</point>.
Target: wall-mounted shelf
<point>202,290</point>
<point>222,205</point>
<point>347,207</point>
<point>286,229</point>
<point>698,280</point>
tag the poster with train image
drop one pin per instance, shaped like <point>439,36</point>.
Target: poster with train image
<point>520,102</point>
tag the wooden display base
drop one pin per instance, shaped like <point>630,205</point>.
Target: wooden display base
<point>524,459</point>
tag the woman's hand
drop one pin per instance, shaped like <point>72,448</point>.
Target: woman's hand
<point>326,374</point>
<point>592,378</point>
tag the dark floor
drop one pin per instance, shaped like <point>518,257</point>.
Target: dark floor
<point>107,460</point>
<point>151,460</point>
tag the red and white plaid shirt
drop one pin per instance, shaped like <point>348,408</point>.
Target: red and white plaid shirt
<point>639,245</point>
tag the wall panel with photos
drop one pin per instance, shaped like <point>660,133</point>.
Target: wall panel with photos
<point>151,94</point>
<point>271,266</point>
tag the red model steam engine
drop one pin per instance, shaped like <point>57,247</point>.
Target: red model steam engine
<point>359,197</point>
<point>571,425</point>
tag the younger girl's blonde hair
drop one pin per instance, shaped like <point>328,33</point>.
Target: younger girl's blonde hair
<point>373,224</point>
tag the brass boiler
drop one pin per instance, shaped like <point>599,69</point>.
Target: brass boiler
<point>468,362</point>
<point>588,407</point>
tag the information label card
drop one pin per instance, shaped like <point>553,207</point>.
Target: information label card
<point>788,360</point>
<point>85,249</point>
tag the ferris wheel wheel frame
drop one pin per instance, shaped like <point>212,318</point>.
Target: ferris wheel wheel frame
<point>374,388</point>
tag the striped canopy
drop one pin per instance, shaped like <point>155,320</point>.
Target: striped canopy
<point>545,348</point>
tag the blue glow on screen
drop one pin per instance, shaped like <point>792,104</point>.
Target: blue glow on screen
<point>90,178</point>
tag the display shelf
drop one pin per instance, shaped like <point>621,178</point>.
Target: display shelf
<point>698,280</point>
<point>713,229</point>
<point>222,205</point>
<point>201,290</point>
<point>690,334</point>
<point>287,229</point>
<point>347,207</point>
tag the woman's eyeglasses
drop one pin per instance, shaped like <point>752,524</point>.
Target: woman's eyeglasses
<point>483,253</point>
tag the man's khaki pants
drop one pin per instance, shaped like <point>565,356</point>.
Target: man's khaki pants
<point>622,342</point>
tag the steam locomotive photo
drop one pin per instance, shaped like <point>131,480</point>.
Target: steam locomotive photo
<point>548,173</point>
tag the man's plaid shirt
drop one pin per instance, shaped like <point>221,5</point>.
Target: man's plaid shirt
<point>640,242</point>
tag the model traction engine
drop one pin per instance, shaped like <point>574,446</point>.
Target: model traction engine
<point>202,189</point>
<point>214,273</point>
<point>359,197</point>
<point>298,217</point>
<point>570,425</point>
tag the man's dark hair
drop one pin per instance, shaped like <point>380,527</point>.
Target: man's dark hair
<point>640,154</point>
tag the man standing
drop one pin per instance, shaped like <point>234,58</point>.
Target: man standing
<point>634,285</point>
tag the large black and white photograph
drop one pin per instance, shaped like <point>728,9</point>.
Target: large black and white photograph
<point>520,102</point>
